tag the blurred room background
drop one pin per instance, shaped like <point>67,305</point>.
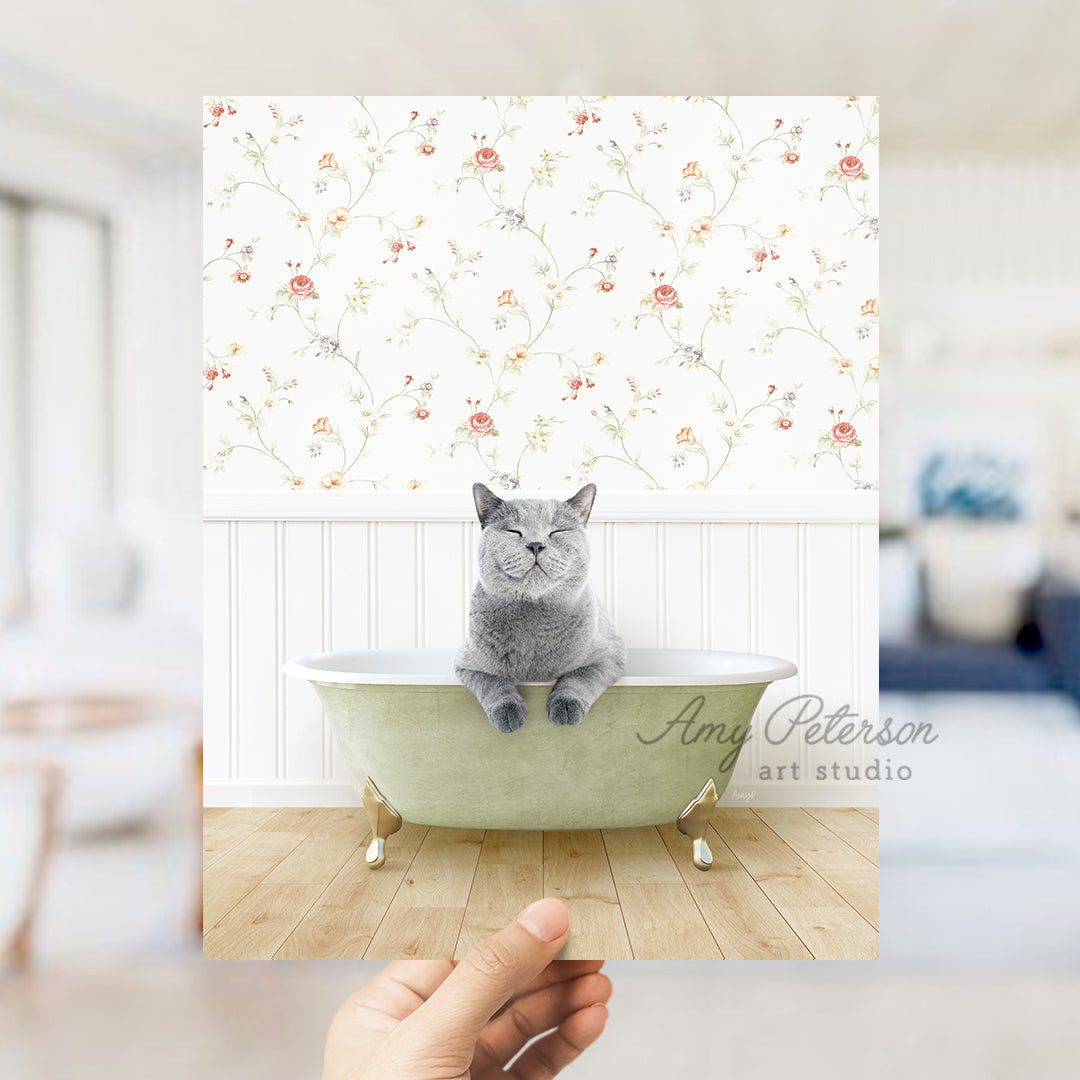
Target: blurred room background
<point>99,481</point>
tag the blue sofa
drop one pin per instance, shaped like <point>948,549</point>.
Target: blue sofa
<point>1045,656</point>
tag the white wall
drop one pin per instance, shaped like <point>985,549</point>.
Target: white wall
<point>981,290</point>
<point>109,422</point>
<point>769,574</point>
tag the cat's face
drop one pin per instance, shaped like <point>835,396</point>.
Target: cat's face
<point>533,548</point>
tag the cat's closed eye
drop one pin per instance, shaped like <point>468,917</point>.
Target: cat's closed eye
<point>550,534</point>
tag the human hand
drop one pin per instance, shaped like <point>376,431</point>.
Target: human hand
<point>434,1020</point>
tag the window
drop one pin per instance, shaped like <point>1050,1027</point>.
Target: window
<point>56,415</point>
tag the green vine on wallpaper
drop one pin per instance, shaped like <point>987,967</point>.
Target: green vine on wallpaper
<point>511,331</point>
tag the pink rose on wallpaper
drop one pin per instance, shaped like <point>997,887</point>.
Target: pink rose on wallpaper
<point>851,168</point>
<point>843,433</point>
<point>481,423</point>
<point>302,286</point>
<point>487,160</point>
<point>456,262</point>
<point>665,296</point>
<point>761,256</point>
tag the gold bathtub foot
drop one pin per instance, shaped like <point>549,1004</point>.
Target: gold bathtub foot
<point>384,821</point>
<point>694,821</point>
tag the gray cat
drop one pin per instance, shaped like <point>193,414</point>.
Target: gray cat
<point>533,616</point>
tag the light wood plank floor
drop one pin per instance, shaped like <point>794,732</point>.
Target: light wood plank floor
<point>785,883</point>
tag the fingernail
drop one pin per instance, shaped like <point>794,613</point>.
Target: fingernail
<point>546,919</point>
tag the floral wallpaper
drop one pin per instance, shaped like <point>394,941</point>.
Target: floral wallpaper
<point>645,292</point>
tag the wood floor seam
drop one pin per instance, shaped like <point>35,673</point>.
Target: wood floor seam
<point>615,884</point>
<point>785,883</point>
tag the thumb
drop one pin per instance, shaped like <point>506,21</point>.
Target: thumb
<point>492,972</point>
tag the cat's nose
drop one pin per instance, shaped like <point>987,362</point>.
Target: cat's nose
<point>536,547</point>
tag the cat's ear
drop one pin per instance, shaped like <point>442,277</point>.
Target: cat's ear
<point>486,502</point>
<point>582,502</point>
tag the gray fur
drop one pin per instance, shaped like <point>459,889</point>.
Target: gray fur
<point>536,623</point>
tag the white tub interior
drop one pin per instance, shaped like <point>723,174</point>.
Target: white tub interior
<point>644,667</point>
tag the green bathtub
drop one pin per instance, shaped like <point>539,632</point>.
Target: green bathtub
<point>657,746</point>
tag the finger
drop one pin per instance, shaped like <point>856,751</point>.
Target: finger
<point>419,977</point>
<point>492,972</point>
<point>370,1015</point>
<point>556,972</point>
<point>548,1056</point>
<point>532,1015</point>
<point>397,991</point>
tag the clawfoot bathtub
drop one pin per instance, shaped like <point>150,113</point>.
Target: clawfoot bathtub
<point>659,745</point>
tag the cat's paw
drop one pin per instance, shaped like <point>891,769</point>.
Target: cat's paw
<point>509,716</point>
<point>565,711</point>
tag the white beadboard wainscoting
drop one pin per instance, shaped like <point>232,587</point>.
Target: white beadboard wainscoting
<point>792,574</point>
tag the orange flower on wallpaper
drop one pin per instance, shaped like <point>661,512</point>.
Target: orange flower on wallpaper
<point>609,292</point>
<point>517,356</point>
<point>703,227</point>
<point>338,218</point>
